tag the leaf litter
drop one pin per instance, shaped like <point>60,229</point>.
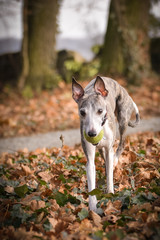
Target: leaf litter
<point>43,194</point>
<point>56,110</point>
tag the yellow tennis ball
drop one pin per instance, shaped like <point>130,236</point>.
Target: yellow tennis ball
<point>96,139</point>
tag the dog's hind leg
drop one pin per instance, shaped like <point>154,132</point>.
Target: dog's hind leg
<point>122,130</point>
<point>102,152</point>
<point>109,159</point>
<point>108,156</point>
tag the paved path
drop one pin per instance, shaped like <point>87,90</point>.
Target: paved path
<point>71,137</point>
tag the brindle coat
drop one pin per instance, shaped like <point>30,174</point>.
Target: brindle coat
<point>99,104</point>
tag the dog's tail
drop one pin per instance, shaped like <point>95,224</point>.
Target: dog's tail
<point>134,124</point>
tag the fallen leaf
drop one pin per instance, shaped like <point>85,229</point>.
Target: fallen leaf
<point>110,218</point>
<point>96,218</point>
<point>9,189</point>
<point>53,221</point>
<point>152,217</point>
<point>54,205</point>
<point>27,200</point>
<point>134,225</point>
<point>68,218</point>
<point>40,217</point>
<point>35,205</point>
<point>46,176</point>
<point>110,208</point>
<point>26,170</point>
<point>117,204</point>
<point>132,156</point>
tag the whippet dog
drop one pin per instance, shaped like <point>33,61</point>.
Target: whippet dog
<point>99,104</point>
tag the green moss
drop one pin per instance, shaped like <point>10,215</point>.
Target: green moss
<point>27,92</point>
<point>47,80</point>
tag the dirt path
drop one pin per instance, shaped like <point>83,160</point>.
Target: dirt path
<point>71,137</point>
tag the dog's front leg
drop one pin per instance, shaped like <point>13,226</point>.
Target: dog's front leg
<point>109,169</point>
<point>91,176</point>
<point>89,151</point>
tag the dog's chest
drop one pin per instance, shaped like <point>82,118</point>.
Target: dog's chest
<point>108,138</point>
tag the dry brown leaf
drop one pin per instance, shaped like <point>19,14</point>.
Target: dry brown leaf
<point>40,217</point>
<point>85,225</point>
<point>73,227</point>
<point>26,170</point>
<point>27,200</point>
<point>136,208</point>
<point>53,221</point>
<point>70,206</point>
<point>143,175</point>
<point>135,225</point>
<point>54,206</point>
<point>96,219</point>
<point>35,205</point>
<point>46,176</point>
<point>21,233</point>
<point>60,226</point>
<point>152,217</point>
<point>144,216</point>
<point>157,209</point>
<point>149,142</point>
<point>110,218</point>
<point>46,193</point>
<point>110,208</point>
<point>147,231</point>
<point>9,161</point>
<point>9,189</point>
<point>128,237</point>
<point>68,218</point>
<point>117,204</point>
<point>155,174</point>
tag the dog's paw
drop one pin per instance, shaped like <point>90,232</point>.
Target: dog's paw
<point>110,190</point>
<point>93,203</point>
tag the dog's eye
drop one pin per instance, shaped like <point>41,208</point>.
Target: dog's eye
<point>83,113</point>
<point>99,111</point>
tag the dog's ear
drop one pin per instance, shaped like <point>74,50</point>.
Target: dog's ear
<point>77,90</point>
<point>99,87</point>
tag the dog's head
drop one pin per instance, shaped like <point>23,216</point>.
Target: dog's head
<point>92,106</point>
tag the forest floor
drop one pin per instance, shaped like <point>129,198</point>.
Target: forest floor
<point>56,110</point>
<point>43,194</point>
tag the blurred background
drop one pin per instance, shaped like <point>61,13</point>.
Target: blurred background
<point>44,43</point>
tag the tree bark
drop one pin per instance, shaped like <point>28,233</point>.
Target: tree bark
<point>39,53</point>
<point>24,52</point>
<point>126,44</point>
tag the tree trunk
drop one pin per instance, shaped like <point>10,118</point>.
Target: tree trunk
<point>39,43</point>
<point>126,45</point>
<point>24,52</point>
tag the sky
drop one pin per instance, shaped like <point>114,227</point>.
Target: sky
<point>81,18</point>
<point>11,30</point>
<point>81,24</point>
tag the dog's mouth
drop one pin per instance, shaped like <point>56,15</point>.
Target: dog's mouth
<point>94,140</point>
<point>95,144</point>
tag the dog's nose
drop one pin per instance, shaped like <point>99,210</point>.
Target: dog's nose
<point>91,134</point>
